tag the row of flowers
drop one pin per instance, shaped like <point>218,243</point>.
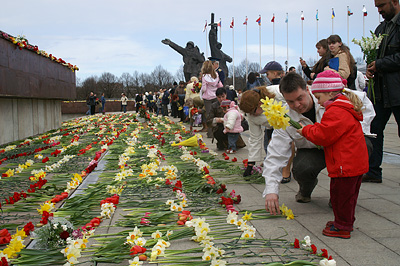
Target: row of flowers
<point>22,43</point>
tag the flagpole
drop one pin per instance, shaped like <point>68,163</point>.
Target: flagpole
<point>206,41</point>
<point>259,30</point>
<point>220,31</point>
<point>316,19</point>
<point>363,21</point>
<point>247,64</point>
<point>302,20</point>
<point>332,20</point>
<point>233,53</point>
<point>287,37</point>
<point>348,28</point>
<point>273,35</point>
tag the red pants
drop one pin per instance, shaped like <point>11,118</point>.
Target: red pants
<point>344,193</point>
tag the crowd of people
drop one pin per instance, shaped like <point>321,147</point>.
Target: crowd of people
<point>341,128</point>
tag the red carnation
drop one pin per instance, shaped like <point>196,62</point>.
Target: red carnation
<point>5,237</point>
<point>314,249</point>
<point>226,157</point>
<point>206,171</point>
<point>324,253</point>
<point>296,243</point>
<point>234,159</point>
<point>237,199</point>
<point>28,228</point>
<point>45,159</point>
<point>64,235</point>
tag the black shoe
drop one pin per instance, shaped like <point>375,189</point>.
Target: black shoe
<point>248,170</point>
<point>286,179</point>
<point>369,179</point>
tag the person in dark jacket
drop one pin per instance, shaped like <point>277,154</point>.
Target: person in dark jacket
<point>165,102</point>
<point>92,103</point>
<point>138,101</point>
<point>385,71</point>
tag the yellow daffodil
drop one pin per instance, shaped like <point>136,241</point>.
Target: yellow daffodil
<point>247,217</point>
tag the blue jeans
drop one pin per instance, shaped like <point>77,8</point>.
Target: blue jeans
<point>88,111</point>
<point>378,126</point>
<point>124,108</point>
<point>232,138</point>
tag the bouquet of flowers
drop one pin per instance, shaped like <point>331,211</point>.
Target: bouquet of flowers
<point>143,113</point>
<point>277,114</point>
<point>196,87</point>
<point>369,46</point>
<point>54,234</point>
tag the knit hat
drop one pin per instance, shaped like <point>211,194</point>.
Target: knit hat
<point>328,81</point>
<point>225,103</point>
<point>273,65</point>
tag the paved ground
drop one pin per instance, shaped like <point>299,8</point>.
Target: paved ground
<point>376,235</point>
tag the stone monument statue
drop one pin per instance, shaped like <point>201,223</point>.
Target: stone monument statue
<point>192,58</point>
<point>216,46</point>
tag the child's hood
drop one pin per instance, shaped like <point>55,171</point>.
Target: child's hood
<point>344,103</point>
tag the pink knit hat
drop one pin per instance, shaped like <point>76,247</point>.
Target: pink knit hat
<point>328,81</point>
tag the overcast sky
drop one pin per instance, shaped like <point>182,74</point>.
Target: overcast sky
<point>125,35</point>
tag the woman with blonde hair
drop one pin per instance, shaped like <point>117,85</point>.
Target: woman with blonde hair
<point>342,62</point>
<point>210,83</point>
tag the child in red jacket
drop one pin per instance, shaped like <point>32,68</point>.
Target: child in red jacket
<point>346,155</point>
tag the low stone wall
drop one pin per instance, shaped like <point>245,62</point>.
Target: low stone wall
<point>22,118</point>
<point>80,107</point>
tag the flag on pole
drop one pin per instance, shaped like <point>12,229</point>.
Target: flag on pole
<point>302,15</point>
<point>219,23</point>
<point>349,13</point>
<point>245,22</point>
<point>364,10</point>
<point>273,18</point>
<point>259,20</point>
<point>232,24</point>
<point>205,27</point>
<point>316,16</point>
<point>287,18</point>
<point>333,13</point>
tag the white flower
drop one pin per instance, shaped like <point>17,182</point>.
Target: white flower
<point>64,227</point>
<point>326,262</point>
<point>308,242</point>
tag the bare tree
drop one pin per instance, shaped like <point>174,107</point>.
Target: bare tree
<point>88,85</point>
<point>179,75</point>
<point>127,84</point>
<point>161,77</point>
<point>108,83</point>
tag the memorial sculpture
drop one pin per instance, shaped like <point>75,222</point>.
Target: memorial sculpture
<point>192,58</point>
<point>216,46</point>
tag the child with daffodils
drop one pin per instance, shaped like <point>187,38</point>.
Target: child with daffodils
<point>232,123</point>
<point>346,156</point>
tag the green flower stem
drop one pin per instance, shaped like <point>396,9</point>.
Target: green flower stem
<point>293,123</point>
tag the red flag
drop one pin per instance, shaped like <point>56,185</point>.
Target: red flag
<point>259,21</point>
<point>245,22</point>
<point>205,27</point>
<point>273,19</point>
<point>302,15</point>
<point>232,24</point>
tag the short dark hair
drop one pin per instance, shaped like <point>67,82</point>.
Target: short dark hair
<point>220,91</point>
<point>251,77</point>
<point>291,82</point>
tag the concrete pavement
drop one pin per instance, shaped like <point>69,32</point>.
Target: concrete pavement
<point>376,234</point>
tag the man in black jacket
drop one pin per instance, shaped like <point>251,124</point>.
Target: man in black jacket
<point>385,71</point>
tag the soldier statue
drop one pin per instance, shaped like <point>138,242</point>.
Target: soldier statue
<point>192,58</point>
